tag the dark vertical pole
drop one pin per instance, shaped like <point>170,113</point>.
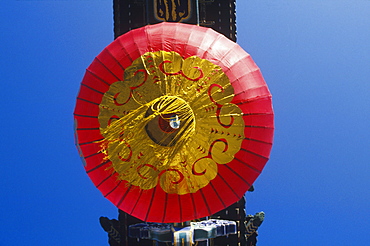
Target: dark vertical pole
<point>128,15</point>
<point>219,15</point>
<point>216,14</point>
<point>235,212</point>
<point>125,220</point>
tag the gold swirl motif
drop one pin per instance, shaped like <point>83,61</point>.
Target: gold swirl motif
<point>170,122</point>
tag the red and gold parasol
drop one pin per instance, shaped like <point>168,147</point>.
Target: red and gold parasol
<point>173,122</point>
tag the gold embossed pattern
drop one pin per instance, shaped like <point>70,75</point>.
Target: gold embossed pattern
<point>170,122</point>
<point>172,10</point>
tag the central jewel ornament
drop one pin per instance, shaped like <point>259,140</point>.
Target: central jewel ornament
<point>164,129</point>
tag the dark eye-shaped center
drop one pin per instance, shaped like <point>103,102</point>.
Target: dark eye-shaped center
<point>173,120</point>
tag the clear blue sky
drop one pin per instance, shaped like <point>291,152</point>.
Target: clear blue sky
<point>315,57</point>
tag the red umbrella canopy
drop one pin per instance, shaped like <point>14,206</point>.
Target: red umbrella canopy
<point>173,122</point>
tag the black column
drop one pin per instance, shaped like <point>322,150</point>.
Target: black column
<point>216,14</point>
